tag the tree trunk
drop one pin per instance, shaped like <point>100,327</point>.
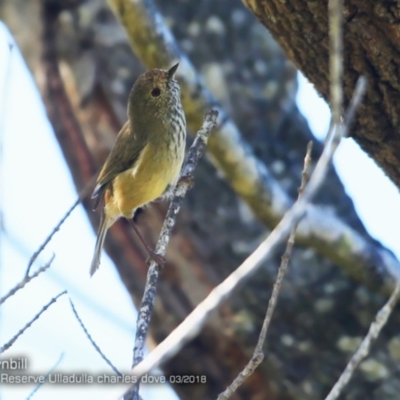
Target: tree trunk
<point>371,49</point>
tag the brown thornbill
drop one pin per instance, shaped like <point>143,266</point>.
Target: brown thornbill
<point>147,156</point>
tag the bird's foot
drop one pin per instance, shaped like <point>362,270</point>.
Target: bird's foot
<point>186,179</point>
<point>157,258</point>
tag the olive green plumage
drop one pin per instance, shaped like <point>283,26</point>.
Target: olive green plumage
<point>147,155</point>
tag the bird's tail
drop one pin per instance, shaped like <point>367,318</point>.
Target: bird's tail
<point>101,235</point>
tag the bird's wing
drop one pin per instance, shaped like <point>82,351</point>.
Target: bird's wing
<point>123,156</point>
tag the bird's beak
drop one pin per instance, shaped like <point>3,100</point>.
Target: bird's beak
<point>172,70</point>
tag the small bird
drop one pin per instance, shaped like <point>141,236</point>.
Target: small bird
<point>148,153</point>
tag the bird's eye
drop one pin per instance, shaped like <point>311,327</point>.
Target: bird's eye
<point>156,92</point>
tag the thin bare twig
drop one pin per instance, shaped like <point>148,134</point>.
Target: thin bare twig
<point>47,240</point>
<point>336,99</point>
<point>82,194</point>
<point>374,330</point>
<point>39,385</point>
<point>190,327</point>
<point>335,10</point>
<point>258,354</point>
<point>94,344</point>
<point>26,280</point>
<point>143,320</point>
<point>7,345</point>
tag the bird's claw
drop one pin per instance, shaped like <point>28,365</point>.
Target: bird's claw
<point>186,179</point>
<point>157,258</point>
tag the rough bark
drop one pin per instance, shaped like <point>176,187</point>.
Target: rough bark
<point>371,48</point>
<point>321,312</point>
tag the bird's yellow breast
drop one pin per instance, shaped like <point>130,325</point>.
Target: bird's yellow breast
<point>146,181</point>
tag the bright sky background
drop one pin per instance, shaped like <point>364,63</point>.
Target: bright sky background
<point>35,192</point>
<point>376,199</point>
